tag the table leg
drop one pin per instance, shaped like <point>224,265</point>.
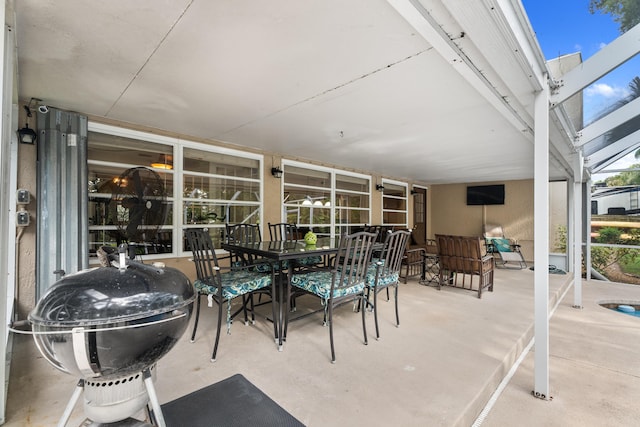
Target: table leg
<point>281,303</point>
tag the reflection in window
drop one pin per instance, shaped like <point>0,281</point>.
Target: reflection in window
<point>327,201</point>
<point>219,188</point>
<point>209,187</point>
<point>127,203</point>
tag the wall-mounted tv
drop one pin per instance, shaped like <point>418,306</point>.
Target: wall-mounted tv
<point>485,195</point>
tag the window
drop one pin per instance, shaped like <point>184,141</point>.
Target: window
<point>219,188</point>
<point>110,217</point>
<point>204,186</point>
<point>394,204</point>
<point>352,202</point>
<point>328,201</point>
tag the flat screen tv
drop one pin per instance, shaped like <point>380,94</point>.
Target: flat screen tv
<point>485,195</point>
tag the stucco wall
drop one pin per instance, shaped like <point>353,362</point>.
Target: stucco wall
<point>557,211</point>
<point>451,215</point>
<point>27,157</point>
<point>26,245</point>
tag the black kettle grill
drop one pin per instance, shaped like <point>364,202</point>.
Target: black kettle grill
<point>109,326</point>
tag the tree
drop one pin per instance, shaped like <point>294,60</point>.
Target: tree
<point>625,12</point>
<point>625,178</point>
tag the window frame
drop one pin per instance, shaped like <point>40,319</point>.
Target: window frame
<point>178,145</point>
<point>405,211</point>
<point>333,172</point>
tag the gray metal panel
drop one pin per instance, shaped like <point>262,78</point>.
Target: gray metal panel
<point>8,184</point>
<point>62,197</point>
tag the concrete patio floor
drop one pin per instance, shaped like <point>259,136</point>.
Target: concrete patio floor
<point>439,368</point>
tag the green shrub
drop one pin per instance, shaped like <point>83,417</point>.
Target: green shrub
<point>600,257</point>
<point>560,244</point>
<point>609,235</point>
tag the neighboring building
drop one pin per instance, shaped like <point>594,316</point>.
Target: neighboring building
<point>615,200</point>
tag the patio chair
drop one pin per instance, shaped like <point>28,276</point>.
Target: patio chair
<point>461,261</point>
<point>505,250</point>
<point>221,287</point>
<point>417,253</point>
<point>384,272</point>
<point>244,233</point>
<point>247,233</point>
<point>343,282</point>
<point>290,232</point>
<point>381,230</point>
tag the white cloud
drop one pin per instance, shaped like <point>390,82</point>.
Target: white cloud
<point>601,45</point>
<point>606,91</point>
<point>578,47</point>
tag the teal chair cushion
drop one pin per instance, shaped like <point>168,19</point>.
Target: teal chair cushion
<point>319,283</point>
<point>312,260</point>
<point>386,278</point>
<point>265,267</point>
<point>235,283</point>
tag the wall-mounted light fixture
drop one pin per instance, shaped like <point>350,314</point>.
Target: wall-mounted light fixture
<point>414,192</point>
<point>379,187</point>
<point>276,172</point>
<point>26,135</point>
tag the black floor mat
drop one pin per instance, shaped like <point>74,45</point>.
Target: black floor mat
<point>229,403</point>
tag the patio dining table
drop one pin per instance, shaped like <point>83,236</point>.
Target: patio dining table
<point>277,252</point>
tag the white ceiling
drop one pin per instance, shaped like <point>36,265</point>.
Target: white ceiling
<point>446,98</point>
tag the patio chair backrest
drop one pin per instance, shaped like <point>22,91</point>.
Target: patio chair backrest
<point>283,231</point>
<point>204,255</point>
<point>243,233</point>
<point>382,230</point>
<point>352,260</point>
<point>394,251</point>
<point>460,254</point>
<point>493,230</point>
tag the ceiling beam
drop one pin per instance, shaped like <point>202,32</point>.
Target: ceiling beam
<point>613,152</point>
<point>608,58</point>
<point>608,122</point>
<point>431,30</point>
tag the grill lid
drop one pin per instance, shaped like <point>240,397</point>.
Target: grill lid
<point>108,295</point>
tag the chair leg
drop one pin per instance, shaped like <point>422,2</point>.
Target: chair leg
<point>333,352</point>
<point>364,302</point>
<point>364,324</point>
<point>215,345</point>
<point>375,311</point>
<point>396,298</point>
<point>244,307</point>
<point>195,322</point>
<point>253,312</point>
<point>273,308</point>
<point>284,311</point>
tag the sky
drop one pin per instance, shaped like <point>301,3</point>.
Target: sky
<point>567,26</point>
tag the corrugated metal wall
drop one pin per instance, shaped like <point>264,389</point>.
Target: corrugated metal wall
<point>62,182</point>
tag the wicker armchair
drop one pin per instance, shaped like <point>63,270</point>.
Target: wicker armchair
<point>461,259</point>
